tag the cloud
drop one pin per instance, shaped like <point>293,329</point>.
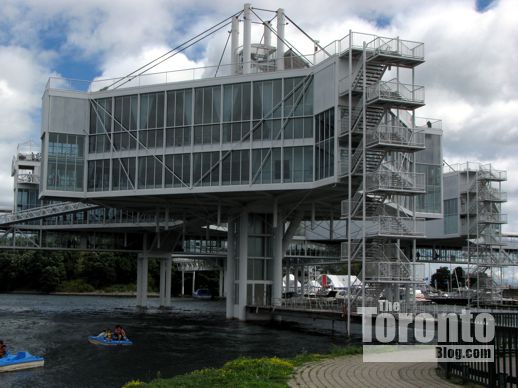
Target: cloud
<point>468,75</point>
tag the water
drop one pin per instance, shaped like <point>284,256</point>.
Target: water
<point>192,335</point>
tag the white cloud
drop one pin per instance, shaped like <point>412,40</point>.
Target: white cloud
<point>469,74</point>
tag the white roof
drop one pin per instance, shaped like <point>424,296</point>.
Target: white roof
<point>340,281</point>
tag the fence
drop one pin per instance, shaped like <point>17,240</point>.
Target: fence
<point>503,371</point>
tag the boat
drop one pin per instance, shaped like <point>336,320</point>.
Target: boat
<point>19,361</point>
<point>202,293</point>
<point>100,340</point>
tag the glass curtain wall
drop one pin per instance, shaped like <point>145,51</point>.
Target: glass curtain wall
<point>65,162</point>
<point>215,122</point>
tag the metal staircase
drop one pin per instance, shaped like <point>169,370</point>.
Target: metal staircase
<point>371,133</point>
<point>44,212</point>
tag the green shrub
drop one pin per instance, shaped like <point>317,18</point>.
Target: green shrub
<point>77,285</point>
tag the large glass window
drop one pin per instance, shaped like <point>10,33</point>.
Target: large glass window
<point>324,144</point>
<point>431,201</point>
<point>298,164</point>
<point>236,112</point>
<point>99,175</point>
<point>205,169</point>
<point>451,216</point>
<point>123,174</point>
<point>236,167</point>
<point>178,170</point>
<point>125,123</point>
<point>152,110</point>
<point>150,172</point>
<point>207,105</point>
<point>65,166</point>
<point>266,165</point>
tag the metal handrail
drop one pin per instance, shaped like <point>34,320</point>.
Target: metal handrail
<point>400,181</point>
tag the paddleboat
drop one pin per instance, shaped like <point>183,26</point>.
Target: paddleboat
<point>19,361</point>
<point>101,340</point>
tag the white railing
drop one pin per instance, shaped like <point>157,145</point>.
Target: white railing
<point>395,226</point>
<point>396,181</point>
<point>396,46</point>
<point>190,74</point>
<point>394,90</point>
<point>396,135</point>
<point>28,178</point>
<point>44,211</point>
<point>393,271</point>
<point>493,195</point>
<point>492,218</point>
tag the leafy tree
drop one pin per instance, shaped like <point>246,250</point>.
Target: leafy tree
<point>441,279</point>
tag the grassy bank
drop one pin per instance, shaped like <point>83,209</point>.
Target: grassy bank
<point>245,372</point>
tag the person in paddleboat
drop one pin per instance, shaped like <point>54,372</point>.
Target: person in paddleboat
<point>106,334</point>
<point>3,349</point>
<point>120,333</point>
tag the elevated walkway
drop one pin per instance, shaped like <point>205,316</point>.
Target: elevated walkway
<point>44,212</point>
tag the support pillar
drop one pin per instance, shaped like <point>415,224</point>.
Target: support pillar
<point>183,282</point>
<point>247,38</point>
<point>296,276</point>
<point>193,281</point>
<point>165,282</point>
<point>280,39</point>
<point>234,43</point>
<point>220,283</point>
<point>278,235</point>
<point>243,264</point>
<point>142,273</point>
<point>230,274</point>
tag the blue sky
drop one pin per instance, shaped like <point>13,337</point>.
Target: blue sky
<point>467,75</point>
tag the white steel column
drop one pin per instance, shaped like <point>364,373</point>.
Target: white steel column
<point>162,282</point>
<point>193,281</point>
<point>243,264</point>
<point>220,283</point>
<point>142,271</point>
<point>247,38</point>
<point>183,282</point>
<point>296,276</point>
<point>280,39</point>
<point>230,273</point>
<point>267,34</point>
<point>168,270</point>
<point>278,234</point>
<point>234,43</point>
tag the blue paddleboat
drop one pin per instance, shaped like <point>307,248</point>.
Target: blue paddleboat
<point>19,361</point>
<point>100,340</point>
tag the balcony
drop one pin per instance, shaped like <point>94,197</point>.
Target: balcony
<point>28,178</point>
<point>492,218</point>
<point>397,227</point>
<point>396,138</point>
<point>396,94</point>
<point>396,182</point>
<point>394,272</point>
<point>492,196</point>
<point>489,174</point>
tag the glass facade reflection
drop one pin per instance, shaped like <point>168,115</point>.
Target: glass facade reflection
<point>65,162</point>
<point>237,134</point>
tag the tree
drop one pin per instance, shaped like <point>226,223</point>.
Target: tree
<point>441,279</point>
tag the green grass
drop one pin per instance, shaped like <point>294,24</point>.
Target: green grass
<point>245,372</point>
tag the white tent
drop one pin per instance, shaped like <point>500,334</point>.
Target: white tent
<point>338,282</point>
<point>292,284</point>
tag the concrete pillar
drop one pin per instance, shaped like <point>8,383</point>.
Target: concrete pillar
<point>302,279</point>
<point>247,38</point>
<point>234,43</point>
<point>278,234</point>
<point>168,270</point>
<point>296,275</point>
<point>162,282</point>
<point>280,39</point>
<point>267,34</point>
<point>243,264</point>
<point>230,273</point>
<point>183,282</point>
<point>142,273</point>
<point>220,282</point>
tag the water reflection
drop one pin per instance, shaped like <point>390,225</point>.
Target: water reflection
<point>192,335</point>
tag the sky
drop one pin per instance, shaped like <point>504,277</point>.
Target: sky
<point>470,74</point>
